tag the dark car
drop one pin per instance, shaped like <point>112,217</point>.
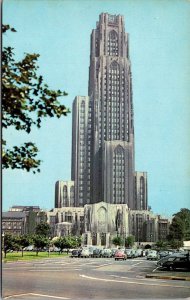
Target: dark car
<point>162,254</point>
<point>173,262</point>
<point>97,253</point>
<point>76,253</point>
<point>130,253</point>
<point>106,252</point>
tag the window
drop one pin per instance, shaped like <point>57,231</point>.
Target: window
<point>113,43</point>
<point>118,175</point>
<point>171,259</point>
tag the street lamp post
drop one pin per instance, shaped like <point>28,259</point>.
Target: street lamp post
<point>49,246</point>
<point>3,243</point>
<point>150,237</point>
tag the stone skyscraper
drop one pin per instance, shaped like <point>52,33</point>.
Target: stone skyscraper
<point>80,165</point>
<point>106,197</point>
<point>103,127</point>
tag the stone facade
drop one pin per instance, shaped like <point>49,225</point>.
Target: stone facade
<point>64,194</point>
<point>141,192</point>
<point>103,125</point>
<point>14,223</point>
<point>104,221</point>
<point>80,166</point>
<point>112,196</point>
<point>22,219</point>
<point>71,220</point>
<point>99,223</point>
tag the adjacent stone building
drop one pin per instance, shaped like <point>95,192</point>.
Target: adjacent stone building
<point>22,219</point>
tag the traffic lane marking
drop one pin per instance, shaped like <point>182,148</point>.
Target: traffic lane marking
<point>56,270</point>
<point>100,266</point>
<point>145,279</point>
<point>39,295</point>
<point>136,264</point>
<point>134,282</point>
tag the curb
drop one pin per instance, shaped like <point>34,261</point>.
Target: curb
<point>168,277</point>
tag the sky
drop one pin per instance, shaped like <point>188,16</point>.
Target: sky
<point>59,30</point>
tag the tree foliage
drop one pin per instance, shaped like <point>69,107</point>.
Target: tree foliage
<point>117,240</point>
<point>40,241</point>
<point>129,241</point>
<point>26,100</point>
<point>24,241</point>
<point>8,243</point>
<point>179,229</point>
<point>67,242</point>
<point>161,245</point>
<point>43,229</point>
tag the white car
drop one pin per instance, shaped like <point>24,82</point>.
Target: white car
<point>152,255</point>
<point>85,253</point>
<point>106,253</point>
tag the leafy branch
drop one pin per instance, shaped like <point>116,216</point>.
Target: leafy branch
<point>26,100</point>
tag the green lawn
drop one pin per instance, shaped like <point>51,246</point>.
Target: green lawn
<point>29,255</point>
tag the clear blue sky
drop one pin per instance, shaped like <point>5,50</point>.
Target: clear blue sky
<point>59,30</point>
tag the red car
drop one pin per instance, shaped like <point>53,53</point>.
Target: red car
<point>120,255</point>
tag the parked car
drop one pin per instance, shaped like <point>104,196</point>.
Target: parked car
<point>139,252</point>
<point>174,261</point>
<point>136,253</point>
<point>75,253</point>
<point>97,253</point>
<point>56,249</point>
<point>152,255</point>
<point>106,252</point>
<point>120,255</point>
<point>85,252</point>
<point>29,248</point>
<point>162,254</point>
<point>130,253</point>
<point>113,250</point>
<point>91,250</point>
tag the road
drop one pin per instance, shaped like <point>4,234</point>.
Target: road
<point>87,278</point>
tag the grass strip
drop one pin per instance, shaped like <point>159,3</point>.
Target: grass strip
<point>30,255</point>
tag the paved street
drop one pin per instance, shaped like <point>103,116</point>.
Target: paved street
<point>90,278</point>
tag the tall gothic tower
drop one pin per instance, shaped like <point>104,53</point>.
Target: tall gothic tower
<point>103,126</point>
<point>112,131</point>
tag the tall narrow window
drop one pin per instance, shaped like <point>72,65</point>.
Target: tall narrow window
<point>72,195</point>
<point>114,100</point>
<point>65,196</point>
<point>142,204</point>
<point>118,176</point>
<point>113,43</point>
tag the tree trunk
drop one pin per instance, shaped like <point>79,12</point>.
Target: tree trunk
<point>22,252</point>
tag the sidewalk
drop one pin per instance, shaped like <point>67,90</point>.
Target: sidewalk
<point>170,275</point>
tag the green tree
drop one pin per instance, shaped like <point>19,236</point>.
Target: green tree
<point>129,241</point>
<point>162,245</point>
<point>78,240</point>
<point>175,244</point>
<point>23,241</point>
<point>26,100</point>
<point>8,243</point>
<point>179,229</point>
<point>118,240</point>
<point>60,243</point>
<point>43,229</point>
<point>40,241</point>
<point>67,242</point>
<point>73,241</point>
